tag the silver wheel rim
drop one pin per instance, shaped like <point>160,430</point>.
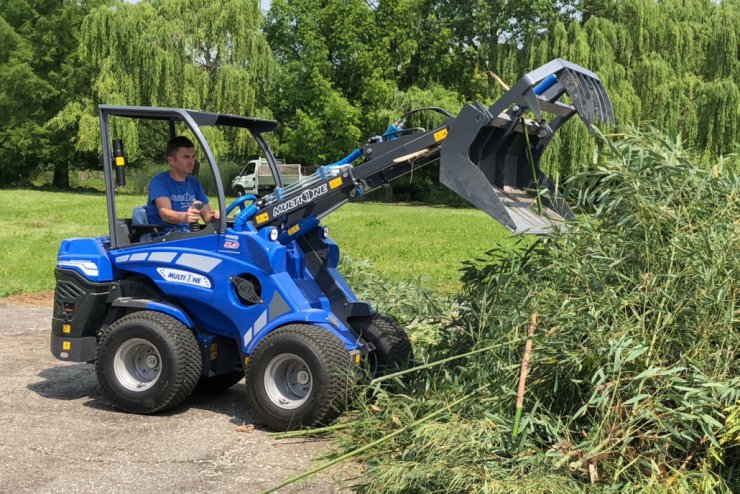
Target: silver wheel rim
<point>137,364</point>
<point>288,381</point>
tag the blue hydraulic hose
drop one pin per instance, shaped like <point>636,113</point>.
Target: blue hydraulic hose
<point>539,89</point>
<point>241,219</point>
<point>392,131</point>
<point>244,216</point>
<point>349,158</point>
<point>239,202</point>
<point>545,84</point>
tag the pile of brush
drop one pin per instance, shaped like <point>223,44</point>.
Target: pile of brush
<point>634,377</point>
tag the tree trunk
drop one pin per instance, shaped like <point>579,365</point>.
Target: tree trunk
<point>61,175</point>
<point>388,194</point>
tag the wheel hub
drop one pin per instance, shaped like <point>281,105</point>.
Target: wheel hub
<point>136,364</point>
<point>288,381</point>
<point>303,377</point>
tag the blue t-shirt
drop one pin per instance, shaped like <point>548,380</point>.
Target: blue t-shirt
<point>180,194</point>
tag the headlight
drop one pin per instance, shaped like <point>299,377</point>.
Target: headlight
<point>325,232</point>
<point>273,234</point>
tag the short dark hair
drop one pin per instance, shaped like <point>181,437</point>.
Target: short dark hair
<point>174,144</point>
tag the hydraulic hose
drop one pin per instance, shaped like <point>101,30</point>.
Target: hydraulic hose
<point>241,219</point>
<point>246,214</point>
<point>540,89</point>
<point>545,84</point>
<point>349,158</point>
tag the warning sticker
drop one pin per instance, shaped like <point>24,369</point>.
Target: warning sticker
<point>439,135</point>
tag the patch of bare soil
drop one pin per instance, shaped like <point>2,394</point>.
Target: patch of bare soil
<point>36,299</point>
<point>60,436</point>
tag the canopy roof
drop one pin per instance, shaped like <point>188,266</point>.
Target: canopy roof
<point>199,117</point>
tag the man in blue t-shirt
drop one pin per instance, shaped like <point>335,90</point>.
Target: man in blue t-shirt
<point>172,193</point>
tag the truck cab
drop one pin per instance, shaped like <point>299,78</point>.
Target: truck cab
<point>256,177</point>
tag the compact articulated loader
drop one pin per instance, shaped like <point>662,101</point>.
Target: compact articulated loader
<point>258,292</point>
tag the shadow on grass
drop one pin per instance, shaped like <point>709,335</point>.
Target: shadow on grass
<point>50,188</point>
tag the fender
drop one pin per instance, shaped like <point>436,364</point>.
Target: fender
<point>254,335</point>
<point>143,303</point>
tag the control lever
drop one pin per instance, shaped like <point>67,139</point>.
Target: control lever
<point>194,227</point>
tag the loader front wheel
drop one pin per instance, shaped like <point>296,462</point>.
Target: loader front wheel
<point>392,346</point>
<point>147,362</point>
<point>299,376</point>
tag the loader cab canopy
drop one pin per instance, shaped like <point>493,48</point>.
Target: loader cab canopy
<point>124,230</point>
<point>202,119</point>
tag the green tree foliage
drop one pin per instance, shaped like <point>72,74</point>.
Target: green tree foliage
<point>681,59</point>
<point>38,74</point>
<point>198,54</point>
<point>346,68</point>
<point>672,64</point>
<point>319,45</point>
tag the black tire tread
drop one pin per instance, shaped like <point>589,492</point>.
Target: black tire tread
<point>398,350</point>
<point>188,357</point>
<point>332,352</point>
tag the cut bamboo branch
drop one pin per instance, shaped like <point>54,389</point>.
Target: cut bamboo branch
<point>433,364</point>
<point>307,432</point>
<point>500,81</point>
<point>533,168</point>
<point>357,451</point>
<point>523,373</point>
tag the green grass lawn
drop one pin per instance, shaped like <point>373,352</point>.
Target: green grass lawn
<point>403,242</point>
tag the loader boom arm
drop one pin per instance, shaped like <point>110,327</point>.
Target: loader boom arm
<point>483,152</point>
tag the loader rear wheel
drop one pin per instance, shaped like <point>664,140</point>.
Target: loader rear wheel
<point>299,376</point>
<point>392,346</point>
<point>147,362</point>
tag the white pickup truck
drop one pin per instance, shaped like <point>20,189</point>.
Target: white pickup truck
<point>256,177</point>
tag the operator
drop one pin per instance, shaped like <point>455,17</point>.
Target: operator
<point>172,193</point>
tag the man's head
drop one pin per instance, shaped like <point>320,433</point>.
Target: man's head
<point>181,155</point>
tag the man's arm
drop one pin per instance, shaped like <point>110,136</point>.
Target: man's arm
<point>168,215</point>
<point>208,214</point>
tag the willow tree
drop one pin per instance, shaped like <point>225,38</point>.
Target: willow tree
<point>680,58</point>
<point>38,75</point>
<point>208,55</point>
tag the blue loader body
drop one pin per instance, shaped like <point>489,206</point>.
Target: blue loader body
<point>194,277</point>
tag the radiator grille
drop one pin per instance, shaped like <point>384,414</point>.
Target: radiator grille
<point>68,290</point>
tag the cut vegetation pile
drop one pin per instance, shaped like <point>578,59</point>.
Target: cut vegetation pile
<point>633,382</point>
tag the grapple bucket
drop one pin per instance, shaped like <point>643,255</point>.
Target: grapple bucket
<point>484,158</point>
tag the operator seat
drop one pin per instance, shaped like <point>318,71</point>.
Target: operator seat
<point>138,217</point>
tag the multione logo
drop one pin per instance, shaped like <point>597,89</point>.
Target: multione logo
<point>306,196</point>
<point>185,277</point>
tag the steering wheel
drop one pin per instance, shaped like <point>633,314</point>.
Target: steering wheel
<point>240,202</point>
<point>245,212</point>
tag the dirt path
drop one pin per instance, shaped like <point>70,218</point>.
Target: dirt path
<point>58,435</point>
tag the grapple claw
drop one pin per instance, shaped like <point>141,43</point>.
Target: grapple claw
<point>484,158</point>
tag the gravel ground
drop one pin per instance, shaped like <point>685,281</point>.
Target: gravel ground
<point>59,435</point>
